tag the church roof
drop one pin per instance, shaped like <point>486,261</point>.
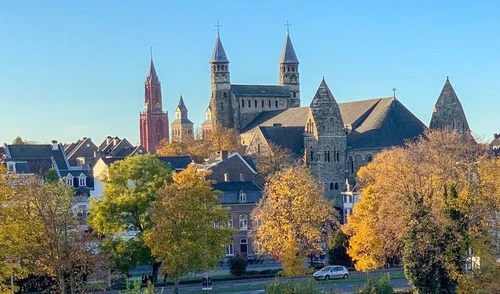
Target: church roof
<point>219,54</point>
<point>291,138</point>
<point>183,110</point>
<point>374,123</point>
<point>448,111</point>
<point>152,76</point>
<point>259,90</point>
<point>288,54</point>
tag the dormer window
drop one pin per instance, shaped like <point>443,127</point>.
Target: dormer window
<point>242,197</point>
<point>82,180</point>
<point>69,180</point>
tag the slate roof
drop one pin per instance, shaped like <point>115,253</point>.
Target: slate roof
<point>291,138</point>
<point>250,162</point>
<point>152,76</point>
<point>375,123</point>
<point>181,107</point>
<point>288,53</point>
<point>232,189</point>
<point>177,162</point>
<point>35,152</point>
<point>259,91</point>
<point>219,54</point>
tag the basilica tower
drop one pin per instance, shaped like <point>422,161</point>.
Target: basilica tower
<point>289,71</point>
<point>220,102</point>
<point>153,122</point>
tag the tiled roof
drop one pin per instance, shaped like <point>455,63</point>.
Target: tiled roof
<point>259,91</point>
<point>291,138</point>
<point>177,162</point>
<point>232,189</point>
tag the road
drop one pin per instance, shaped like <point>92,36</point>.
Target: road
<point>255,286</point>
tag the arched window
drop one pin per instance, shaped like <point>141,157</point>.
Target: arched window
<point>276,102</point>
<point>242,196</point>
<point>331,186</point>
<point>368,158</point>
<point>224,94</point>
<point>350,165</point>
<point>328,156</point>
<point>255,102</point>
<point>262,103</point>
<point>242,103</point>
<point>249,104</point>
<point>312,155</point>
<point>336,185</point>
<point>269,102</point>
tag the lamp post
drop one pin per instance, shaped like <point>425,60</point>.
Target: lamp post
<point>12,261</point>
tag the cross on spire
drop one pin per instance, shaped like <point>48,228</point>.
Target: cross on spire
<point>394,92</point>
<point>287,25</point>
<point>217,26</point>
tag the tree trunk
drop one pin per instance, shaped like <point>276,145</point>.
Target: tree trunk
<point>176,285</point>
<point>156,270</point>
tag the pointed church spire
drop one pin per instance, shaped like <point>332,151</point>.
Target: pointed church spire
<point>152,73</point>
<point>448,112</point>
<point>181,106</point>
<point>219,55</point>
<point>288,54</point>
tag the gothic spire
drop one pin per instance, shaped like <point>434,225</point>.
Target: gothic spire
<point>219,55</point>
<point>152,73</point>
<point>448,112</point>
<point>181,106</point>
<point>288,54</point>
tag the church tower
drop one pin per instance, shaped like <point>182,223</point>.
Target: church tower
<point>325,142</point>
<point>220,102</point>
<point>182,127</point>
<point>448,112</point>
<point>153,122</point>
<point>289,71</point>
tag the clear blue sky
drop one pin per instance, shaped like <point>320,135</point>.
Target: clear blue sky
<point>70,69</point>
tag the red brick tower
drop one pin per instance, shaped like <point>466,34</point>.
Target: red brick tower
<point>153,122</point>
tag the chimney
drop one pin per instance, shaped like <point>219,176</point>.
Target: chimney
<point>108,140</point>
<point>116,140</point>
<point>226,177</point>
<point>224,154</point>
<point>55,145</point>
<point>242,178</point>
<point>496,136</point>
<point>98,153</point>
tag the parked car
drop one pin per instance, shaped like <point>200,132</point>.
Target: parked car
<point>331,272</point>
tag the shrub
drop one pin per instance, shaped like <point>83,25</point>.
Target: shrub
<point>237,266</point>
<point>288,287</point>
<point>252,273</point>
<point>380,286</point>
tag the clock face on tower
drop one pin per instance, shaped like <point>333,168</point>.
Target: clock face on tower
<point>158,105</point>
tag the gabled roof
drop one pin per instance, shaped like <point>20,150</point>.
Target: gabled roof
<point>291,138</point>
<point>219,55</point>
<point>259,90</point>
<point>82,148</point>
<point>291,117</point>
<point>38,152</point>
<point>288,53</point>
<point>177,162</point>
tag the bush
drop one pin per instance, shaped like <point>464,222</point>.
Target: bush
<point>237,266</point>
<point>380,286</point>
<point>283,287</point>
<point>252,273</point>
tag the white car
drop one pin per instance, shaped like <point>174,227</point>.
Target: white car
<point>331,272</point>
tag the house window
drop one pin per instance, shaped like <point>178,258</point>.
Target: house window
<point>82,180</point>
<point>243,241</point>
<point>69,180</point>
<point>216,224</point>
<point>230,222</point>
<point>243,222</point>
<point>242,197</point>
<point>230,249</point>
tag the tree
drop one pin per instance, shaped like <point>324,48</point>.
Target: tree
<point>337,249</point>
<point>436,199</point>
<point>201,148</point>
<point>186,236</point>
<point>18,141</point>
<point>291,218</point>
<point>130,188</point>
<point>278,159</point>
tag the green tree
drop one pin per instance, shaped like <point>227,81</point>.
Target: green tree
<point>290,219</point>
<point>337,249</point>
<point>185,236</point>
<point>130,188</point>
<point>18,141</point>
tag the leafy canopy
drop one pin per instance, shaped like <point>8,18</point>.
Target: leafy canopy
<point>291,218</point>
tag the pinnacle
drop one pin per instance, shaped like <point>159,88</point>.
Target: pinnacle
<point>219,54</point>
<point>288,54</point>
